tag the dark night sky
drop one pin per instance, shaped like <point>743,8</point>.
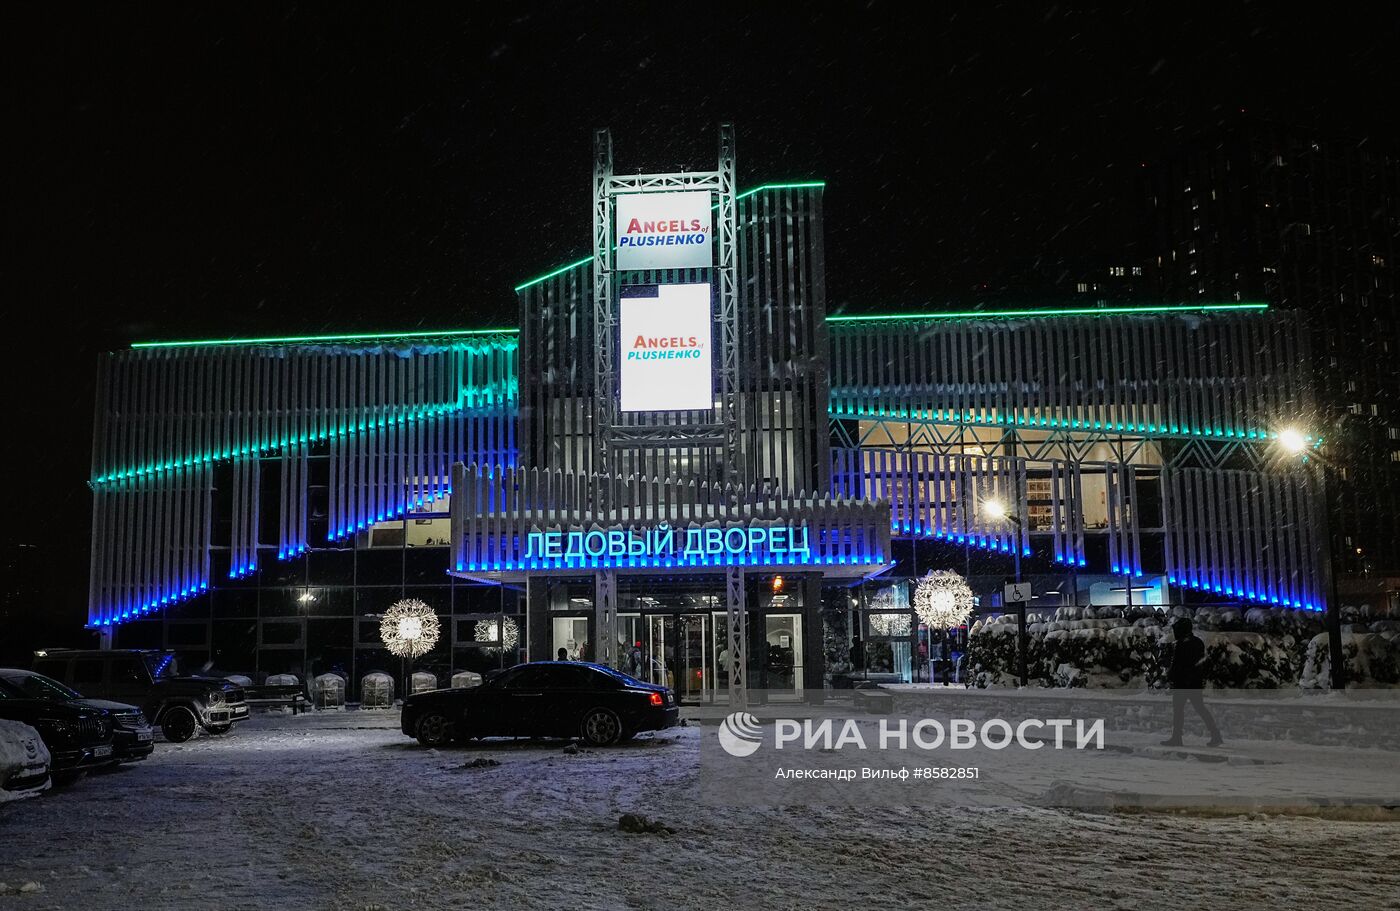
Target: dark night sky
<point>180,172</point>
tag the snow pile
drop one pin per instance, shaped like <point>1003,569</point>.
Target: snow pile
<point>17,740</point>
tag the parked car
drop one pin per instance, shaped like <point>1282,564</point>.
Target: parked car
<point>543,699</point>
<point>150,679</point>
<point>132,737</point>
<point>24,761</point>
<point>78,737</point>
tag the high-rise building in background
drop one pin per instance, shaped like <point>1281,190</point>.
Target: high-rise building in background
<point>1254,210</point>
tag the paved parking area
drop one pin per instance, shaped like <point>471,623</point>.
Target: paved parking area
<point>339,810</point>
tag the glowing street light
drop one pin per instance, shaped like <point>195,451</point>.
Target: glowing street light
<point>1292,440</point>
<point>993,508</point>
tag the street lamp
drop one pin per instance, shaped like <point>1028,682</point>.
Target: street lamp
<point>995,510</point>
<point>1293,440</point>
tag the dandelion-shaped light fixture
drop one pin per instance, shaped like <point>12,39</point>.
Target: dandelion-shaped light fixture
<point>409,628</point>
<point>942,599</point>
<point>486,631</point>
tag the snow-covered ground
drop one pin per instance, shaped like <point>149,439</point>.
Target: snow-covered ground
<point>340,811</point>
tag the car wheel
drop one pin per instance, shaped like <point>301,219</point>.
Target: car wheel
<point>601,728</point>
<point>178,724</point>
<point>434,730</point>
<point>219,729</point>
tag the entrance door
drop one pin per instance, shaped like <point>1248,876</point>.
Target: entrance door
<point>668,649</point>
<point>783,663</point>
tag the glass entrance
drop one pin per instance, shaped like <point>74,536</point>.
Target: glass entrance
<point>668,649</point>
<point>783,663</point>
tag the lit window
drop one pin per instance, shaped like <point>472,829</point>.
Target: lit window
<point>1377,260</point>
<point>1137,270</point>
<point>1082,287</point>
<point>1117,270</point>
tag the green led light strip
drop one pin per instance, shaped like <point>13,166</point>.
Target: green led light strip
<point>951,416</point>
<point>799,185</point>
<point>468,397</point>
<point>1060,311</point>
<point>352,337</point>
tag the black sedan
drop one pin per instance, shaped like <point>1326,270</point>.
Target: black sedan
<point>132,738</point>
<point>543,699</point>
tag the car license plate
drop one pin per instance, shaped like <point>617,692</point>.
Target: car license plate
<point>144,736</point>
<point>101,752</point>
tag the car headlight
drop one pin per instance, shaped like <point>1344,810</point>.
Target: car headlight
<point>216,698</point>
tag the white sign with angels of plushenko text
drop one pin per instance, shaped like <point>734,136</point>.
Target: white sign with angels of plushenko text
<point>664,230</point>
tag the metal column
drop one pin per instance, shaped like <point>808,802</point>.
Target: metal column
<point>604,616</point>
<point>737,637</point>
<point>604,316</point>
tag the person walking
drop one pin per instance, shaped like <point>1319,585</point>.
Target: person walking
<point>1186,674</point>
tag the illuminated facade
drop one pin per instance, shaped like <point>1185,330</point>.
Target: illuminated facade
<point>259,503</point>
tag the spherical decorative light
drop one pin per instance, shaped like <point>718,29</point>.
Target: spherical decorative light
<point>409,628</point>
<point>942,599</point>
<point>509,632</point>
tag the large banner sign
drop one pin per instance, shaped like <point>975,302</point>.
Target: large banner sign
<point>664,231</point>
<point>665,363</point>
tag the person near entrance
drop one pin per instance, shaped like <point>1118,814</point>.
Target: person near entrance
<point>857,655</point>
<point>1186,675</point>
<point>563,653</point>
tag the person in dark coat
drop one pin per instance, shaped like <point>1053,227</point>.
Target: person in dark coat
<point>1186,674</point>
<point>857,654</point>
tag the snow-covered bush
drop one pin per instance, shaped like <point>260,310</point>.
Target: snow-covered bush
<point>329,691</point>
<point>1372,659</point>
<point>376,690</point>
<point>1261,648</point>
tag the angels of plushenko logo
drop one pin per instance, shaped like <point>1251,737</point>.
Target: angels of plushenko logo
<point>740,734</point>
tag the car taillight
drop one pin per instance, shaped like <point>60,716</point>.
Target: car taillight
<point>658,699</point>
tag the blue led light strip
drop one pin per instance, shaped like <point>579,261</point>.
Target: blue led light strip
<point>1266,598</point>
<point>137,612</point>
<point>910,530</point>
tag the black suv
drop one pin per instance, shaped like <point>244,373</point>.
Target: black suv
<point>132,738</point>
<point>78,737</point>
<point>150,679</point>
